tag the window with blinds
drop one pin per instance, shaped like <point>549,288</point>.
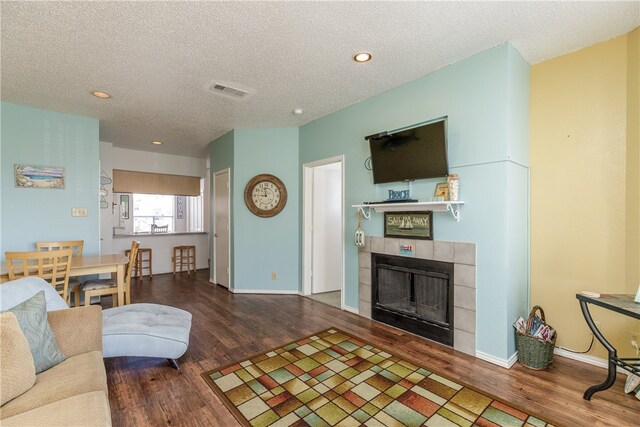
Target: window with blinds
<point>160,200</point>
<point>155,183</point>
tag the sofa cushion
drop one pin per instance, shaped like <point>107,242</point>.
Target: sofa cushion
<point>88,409</point>
<point>77,375</point>
<point>32,317</point>
<point>16,291</point>
<point>18,373</point>
<point>77,330</point>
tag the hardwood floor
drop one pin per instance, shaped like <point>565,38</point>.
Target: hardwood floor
<point>228,327</point>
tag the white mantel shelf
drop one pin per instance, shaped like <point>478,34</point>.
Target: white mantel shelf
<point>453,207</point>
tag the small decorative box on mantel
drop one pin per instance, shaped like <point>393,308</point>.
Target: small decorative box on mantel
<point>406,250</point>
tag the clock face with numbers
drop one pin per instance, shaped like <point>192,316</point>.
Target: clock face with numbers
<point>265,195</point>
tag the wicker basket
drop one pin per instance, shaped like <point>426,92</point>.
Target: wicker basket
<point>534,353</point>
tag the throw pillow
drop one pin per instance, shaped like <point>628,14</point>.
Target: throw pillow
<point>32,317</point>
<point>18,372</point>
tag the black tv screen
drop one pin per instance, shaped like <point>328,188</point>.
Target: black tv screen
<point>416,153</point>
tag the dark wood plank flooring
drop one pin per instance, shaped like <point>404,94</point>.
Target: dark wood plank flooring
<point>228,327</point>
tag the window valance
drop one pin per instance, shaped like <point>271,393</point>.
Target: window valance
<point>155,183</point>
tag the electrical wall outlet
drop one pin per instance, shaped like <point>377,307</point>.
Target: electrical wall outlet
<point>274,276</point>
<point>79,212</point>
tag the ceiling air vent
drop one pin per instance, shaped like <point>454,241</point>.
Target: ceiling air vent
<point>231,90</point>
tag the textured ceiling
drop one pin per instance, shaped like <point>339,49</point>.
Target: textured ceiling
<point>157,59</point>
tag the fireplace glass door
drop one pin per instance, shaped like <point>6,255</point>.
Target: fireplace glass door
<point>431,294</point>
<point>424,295</point>
<point>415,295</point>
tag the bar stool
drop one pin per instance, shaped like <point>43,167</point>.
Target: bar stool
<point>140,262</point>
<point>184,254</point>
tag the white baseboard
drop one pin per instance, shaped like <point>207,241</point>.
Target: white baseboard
<point>585,358</point>
<point>505,363</point>
<point>508,363</point>
<point>264,291</point>
<point>350,309</point>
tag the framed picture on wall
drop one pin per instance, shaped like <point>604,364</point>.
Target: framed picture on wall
<point>124,206</point>
<point>180,207</point>
<point>49,177</point>
<point>411,225</point>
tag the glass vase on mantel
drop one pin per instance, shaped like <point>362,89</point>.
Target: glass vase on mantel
<point>454,186</point>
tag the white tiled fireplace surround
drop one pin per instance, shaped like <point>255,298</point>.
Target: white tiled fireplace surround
<point>463,257</point>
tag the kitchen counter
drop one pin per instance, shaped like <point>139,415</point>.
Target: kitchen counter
<point>115,236</point>
<point>162,245</point>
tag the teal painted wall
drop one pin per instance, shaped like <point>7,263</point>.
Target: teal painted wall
<point>486,100</point>
<point>221,151</point>
<point>518,247</point>
<point>261,246</point>
<point>38,137</point>
<point>221,157</point>
<point>518,108</point>
<point>518,207</point>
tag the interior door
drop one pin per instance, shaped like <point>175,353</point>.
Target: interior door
<point>221,227</point>
<point>326,243</point>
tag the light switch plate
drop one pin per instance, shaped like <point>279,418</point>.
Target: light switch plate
<point>79,212</point>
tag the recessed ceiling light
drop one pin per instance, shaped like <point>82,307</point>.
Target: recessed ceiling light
<point>298,111</point>
<point>99,94</point>
<point>156,142</point>
<point>362,57</point>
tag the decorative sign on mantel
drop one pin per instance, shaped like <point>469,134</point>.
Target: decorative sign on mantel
<point>413,225</point>
<point>398,195</point>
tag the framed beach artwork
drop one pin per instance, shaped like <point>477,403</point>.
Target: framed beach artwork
<point>27,176</point>
<point>411,225</point>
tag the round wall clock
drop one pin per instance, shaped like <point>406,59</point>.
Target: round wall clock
<point>265,195</point>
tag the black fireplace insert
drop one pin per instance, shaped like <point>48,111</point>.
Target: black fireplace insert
<point>413,294</point>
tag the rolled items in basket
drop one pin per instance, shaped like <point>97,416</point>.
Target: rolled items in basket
<point>544,332</point>
<point>536,328</point>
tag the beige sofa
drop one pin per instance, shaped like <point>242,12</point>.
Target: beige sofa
<point>73,392</point>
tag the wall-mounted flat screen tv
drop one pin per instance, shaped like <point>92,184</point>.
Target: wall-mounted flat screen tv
<point>416,153</point>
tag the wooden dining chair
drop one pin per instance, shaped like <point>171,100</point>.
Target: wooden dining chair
<point>76,246</point>
<point>53,266</point>
<point>101,287</point>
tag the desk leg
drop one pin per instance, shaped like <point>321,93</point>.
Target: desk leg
<point>120,282</point>
<point>611,377</point>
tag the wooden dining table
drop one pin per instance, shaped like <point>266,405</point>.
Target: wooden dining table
<point>97,264</point>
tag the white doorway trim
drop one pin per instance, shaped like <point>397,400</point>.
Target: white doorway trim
<point>215,270</point>
<point>307,222</point>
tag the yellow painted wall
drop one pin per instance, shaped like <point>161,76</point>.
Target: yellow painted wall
<point>578,188</point>
<point>633,162</point>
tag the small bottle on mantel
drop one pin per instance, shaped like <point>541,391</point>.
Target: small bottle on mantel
<point>454,184</point>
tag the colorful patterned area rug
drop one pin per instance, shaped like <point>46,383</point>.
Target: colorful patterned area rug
<point>333,379</point>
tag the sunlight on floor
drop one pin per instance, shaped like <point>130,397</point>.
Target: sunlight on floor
<point>329,298</point>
